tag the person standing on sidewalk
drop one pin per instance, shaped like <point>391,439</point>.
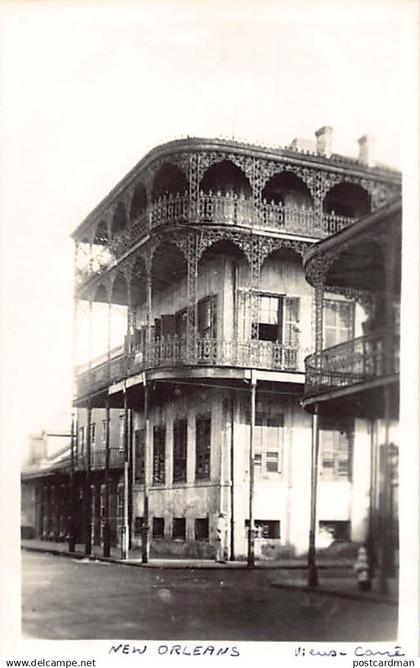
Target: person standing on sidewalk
<point>221,528</point>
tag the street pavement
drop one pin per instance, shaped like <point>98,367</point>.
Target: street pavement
<point>66,598</point>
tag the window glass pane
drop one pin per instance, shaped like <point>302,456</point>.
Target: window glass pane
<point>330,314</point>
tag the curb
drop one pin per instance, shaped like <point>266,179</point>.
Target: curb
<point>168,565</point>
<point>371,598</point>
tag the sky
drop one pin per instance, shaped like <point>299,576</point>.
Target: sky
<point>89,87</point>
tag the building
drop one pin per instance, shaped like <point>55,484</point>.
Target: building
<point>358,379</point>
<point>194,319</point>
<point>45,483</point>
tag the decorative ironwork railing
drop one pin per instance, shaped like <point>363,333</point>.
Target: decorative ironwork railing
<point>172,351</point>
<point>216,209</point>
<point>98,459</point>
<point>375,355</point>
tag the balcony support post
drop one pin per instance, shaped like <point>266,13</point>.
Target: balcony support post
<point>145,526</point>
<point>192,306</point>
<point>125,527</point>
<point>72,528</point>
<point>319,317</point>
<point>88,491</point>
<point>372,532</point>
<point>107,528</point>
<point>149,309</point>
<point>312,567</point>
<point>251,528</point>
<point>386,519</point>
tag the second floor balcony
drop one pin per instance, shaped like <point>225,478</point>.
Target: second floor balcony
<point>174,352</point>
<point>353,363</point>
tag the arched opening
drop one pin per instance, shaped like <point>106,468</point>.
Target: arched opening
<point>223,289</point>
<point>287,189</point>
<point>138,326</point>
<point>138,202</point>
<point>347,199</point>
<point>282,287</point>
<point>118,311</point>
<point>360,267</point>
<point>169,180</point>
<point>119,220</point>
<point>226,178</point>
<point>83,257</point>
<point>101,256</point>
<point>100,324</point>
<point>169,291</point>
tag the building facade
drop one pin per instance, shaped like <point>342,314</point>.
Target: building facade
<point>359,379</point>
<point>194,318</point>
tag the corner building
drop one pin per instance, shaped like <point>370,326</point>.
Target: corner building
<point>193,318</point>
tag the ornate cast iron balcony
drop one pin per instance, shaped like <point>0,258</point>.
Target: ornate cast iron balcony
<point>213,209</point>
<point>173,351</point>
<point>352,363</point>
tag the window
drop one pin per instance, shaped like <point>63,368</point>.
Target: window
<point>139,446</point>
<point>207,317</point>
<point>278,318</point>
<point>158,527</point>
<point>104,432</point>
<point>138,525</point>
<point>92,433</point>
<point>178,527</point>
<point>81,443</point>
<point>180,450</point>
<point>338,322</point>
<point>202,447</point>
<point>335,438</point>
<point>181,323</point>
<point>268,442</point>
<point>201,528</point>
<point>266,528</point>
<point>121,440</point>
<point>338,529</point>
<point>159,434</point>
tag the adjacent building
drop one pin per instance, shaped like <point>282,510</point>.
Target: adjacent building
<point>357,381</point>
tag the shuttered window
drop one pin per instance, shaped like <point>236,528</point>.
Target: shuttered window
<point>159,436</point>
<point>335,438</point>
<point>139,447</point>
<point>202,447</point>
<point>180,450</point>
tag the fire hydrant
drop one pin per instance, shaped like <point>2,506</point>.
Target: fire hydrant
<point>361,566</point>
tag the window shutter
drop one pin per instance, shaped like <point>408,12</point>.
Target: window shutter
<point>213,316</point>
<point>168,325</point>
<point>291,320</point>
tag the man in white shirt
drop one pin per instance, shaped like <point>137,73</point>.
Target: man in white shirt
<point>221,538</point>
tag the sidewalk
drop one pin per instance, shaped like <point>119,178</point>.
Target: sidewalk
<point>336,576</point>
<point>134,558</point>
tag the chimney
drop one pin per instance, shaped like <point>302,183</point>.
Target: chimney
<point>365,150</point>
<point>324,140</point>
